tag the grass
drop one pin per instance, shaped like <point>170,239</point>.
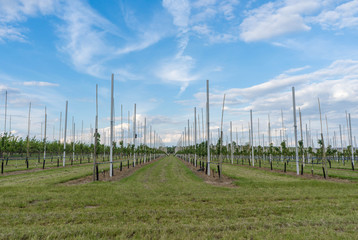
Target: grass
<point>18,164</point>
<point>165,200</point>
<point>337,170</point>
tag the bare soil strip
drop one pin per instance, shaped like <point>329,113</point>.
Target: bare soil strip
<point>213,179</point>
<point>104,174</point>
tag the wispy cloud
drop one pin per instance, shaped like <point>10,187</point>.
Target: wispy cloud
<point>178,71</point>
<point>295,70</point>
<point>192,17</point>
<point>11,33</point>
<point>16,11</point>
<point>40,84</point>
<point>227,7</point>
<point>335,85</point>
<point>276,18</point>
<point>85,37</point>
<point>180,10</point>
<point>343,16</point>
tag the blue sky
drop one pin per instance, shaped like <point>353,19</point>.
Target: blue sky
<point>161,53</point>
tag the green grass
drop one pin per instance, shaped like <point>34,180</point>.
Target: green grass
<point>337,170</point>
<point>19,164</point>
<point>165,200</point>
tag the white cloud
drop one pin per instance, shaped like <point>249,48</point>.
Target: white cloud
<point>202,29</point>
<point>206,14</point>
<point>213,37</point>
<point>191,17</point>
<point>13,12</point>
<point>294,70</point>
<point>178,71</point>
<point>11,33</point>
<point>40,84</point>
<point>86,37</point>
<point>343,16</point>
<point>276,18</point>
<point>346,70</point>
<point>180,10</point>
<point>227,8</point>
<point>19,10</point>
<point>20,94</point>
<point>336,86</point>
<point>203,3</point>
<point>147,40</point>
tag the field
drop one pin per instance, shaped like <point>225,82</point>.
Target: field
<point>166,200</point>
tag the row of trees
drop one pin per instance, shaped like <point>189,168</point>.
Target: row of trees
<point>245,150</point>
<point>14,146</point>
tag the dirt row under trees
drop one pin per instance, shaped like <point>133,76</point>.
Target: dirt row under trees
<point>213,179</point>
<point>117,173</point>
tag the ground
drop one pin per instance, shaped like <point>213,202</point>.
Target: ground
<point>167,200</point>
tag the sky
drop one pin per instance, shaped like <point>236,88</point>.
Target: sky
<point>161,54</point>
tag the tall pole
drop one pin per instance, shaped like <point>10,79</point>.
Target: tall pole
<point>129,117</point>
<point>283,127</point>
<point>188,141</point>
<point>59,136</point>
<point>221,132</point>
<point>199,133</point>
<point>145,140</point>
<point>303,154</point>
<point>237,137</point>
<point>64,141</point>
<point>134,132</point>
<point>208,126</point>
<point>295,127</point>
<point>111,134</point>
<point>150,142</point>
<point>328,143</point>
<point>185,142</point>
<point>347,127</point>
<point>74,138</point>
<point>351,140</point>
<point>45,134</point>
<point>258,130</point>
<point>340,133</point>
<point>252,141</point>
<point>95,137</point>
<point>28,133</point>
<point>154,143</point>
<point>269,134</point>
<point>5,110</point>
<point>231,147</point>
<point>195,136</point>
<point>122,124</point>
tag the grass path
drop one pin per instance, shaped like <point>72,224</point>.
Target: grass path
<point>165,200</point>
